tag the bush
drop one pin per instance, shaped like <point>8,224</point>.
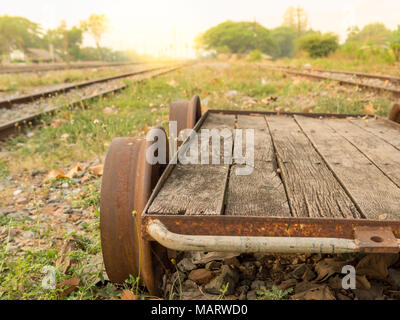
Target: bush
<point>255,55</point>
<point>237,37</point>
<point>319,45</point>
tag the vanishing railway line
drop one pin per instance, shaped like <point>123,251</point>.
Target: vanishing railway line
<point>63,66</point>
<point>24,110</point>
<point>377,82</point>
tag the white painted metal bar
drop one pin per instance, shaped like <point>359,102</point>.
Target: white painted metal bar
<point>180,242</point>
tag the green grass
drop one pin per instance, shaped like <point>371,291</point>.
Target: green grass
<point>3,169</point>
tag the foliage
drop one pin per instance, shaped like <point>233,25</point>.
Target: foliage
<point>365,54</point>
<point>223,291</point>
<point>296,18</point>
<point>274,294</point>
<point>255,55</point>
<point>395,43</point>
<point>285,38</point>
<point>65,41</point>
<point>18,33</point>
<point>373,34</point>
<point>238,37</point>
<point>96,26</point>
<point>319,45</point>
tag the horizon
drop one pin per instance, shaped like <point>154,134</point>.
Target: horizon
<point>160,28</point>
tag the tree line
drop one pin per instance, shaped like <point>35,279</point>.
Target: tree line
<point>21,33</point>
<point>294,35</point>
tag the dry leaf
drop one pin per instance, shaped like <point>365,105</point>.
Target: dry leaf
<point>70,285</point>
<point>65,136</point>
<point>96,170</point>
<point>362,282</point>
<point>75,169</point>
<point>145,128</point>
<point>375,266</point>
<point>307,109</point>
<point>128,295</point>
<point>204,109</point>
<point>203,258</point>
<point>84,179</point>
<point>55,174</point>
<point>57,123</point>
<point>328,267</point>
<point>64,261</point>
<point>110,110</point>
<point>369,109</point>
<point>173,83</point>
<point>319,293</point>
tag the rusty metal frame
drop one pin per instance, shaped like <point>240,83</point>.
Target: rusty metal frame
<point>266,226</point>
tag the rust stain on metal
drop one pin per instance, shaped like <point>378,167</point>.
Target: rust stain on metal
<point>268,226</point>
<point>127,183</point>
<point>376,239</point>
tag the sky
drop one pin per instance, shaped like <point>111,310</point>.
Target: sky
<point>170,26</point>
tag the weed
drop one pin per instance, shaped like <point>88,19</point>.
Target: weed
<point>273,294</point>
<point>223,291</point>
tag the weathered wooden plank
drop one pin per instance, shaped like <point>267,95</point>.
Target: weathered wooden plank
<point>312,189</point>
<point>261,193</point>
<point>195,189</point>
<point>385,156</point>
<point>374,193</point>
<point>381,129</point>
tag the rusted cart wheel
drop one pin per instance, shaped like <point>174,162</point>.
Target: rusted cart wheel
<point>128,180</point>
<point>395,113</point>
<point>185,113</point>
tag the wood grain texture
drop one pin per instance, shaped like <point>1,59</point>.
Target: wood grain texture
<point>312,189</point>
<point>375,195</point>
<point>195,189</point>
<point>384,155</point>
<point>381,129</point>
<point>261,193</point>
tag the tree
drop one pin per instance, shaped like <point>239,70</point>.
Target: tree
<point>373,34</point>
<point>395,43</point>
<point>284,37</point>
<point>296,18</point>
<point>66,41</point>
<point>237,37</point>
<point>96,26</point>
<point>18,33</point>
<point>319,45</point>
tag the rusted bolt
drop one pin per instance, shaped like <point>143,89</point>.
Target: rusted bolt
<point>376,239</point>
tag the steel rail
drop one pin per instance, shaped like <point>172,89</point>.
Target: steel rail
<point>351,73</point>
<point>395,92</point>
<point>361,74</point>
<point>8,103</point>
<point>62,66</point>
<point>15,126</point>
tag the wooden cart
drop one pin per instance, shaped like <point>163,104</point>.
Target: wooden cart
<point>324,183</point>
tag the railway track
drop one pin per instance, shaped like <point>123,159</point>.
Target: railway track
<point>62,66</point>
<point>377,82</point>
<point>17,124</point>
<point>8,103</point>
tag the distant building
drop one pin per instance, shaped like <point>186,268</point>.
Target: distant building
<point>40,55</point>
<point>17,55</point>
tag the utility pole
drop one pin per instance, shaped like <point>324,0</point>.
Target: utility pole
<point>298,9</point>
